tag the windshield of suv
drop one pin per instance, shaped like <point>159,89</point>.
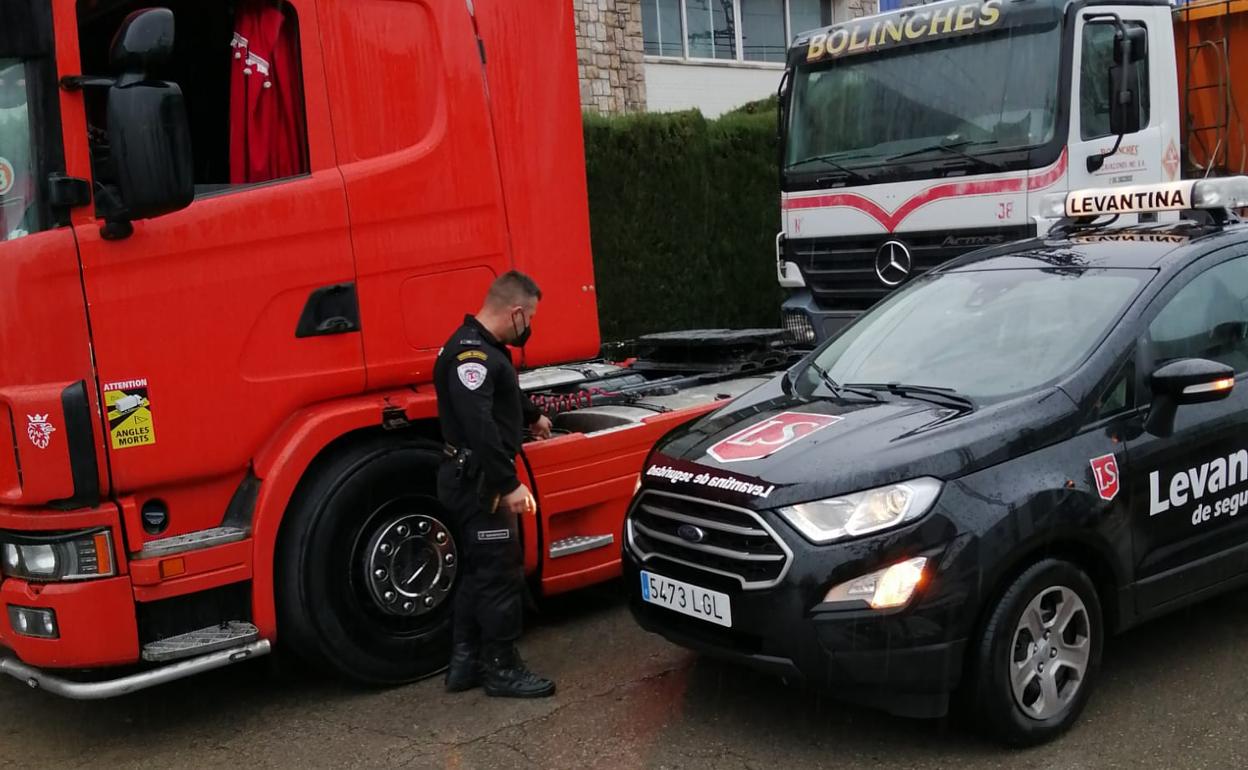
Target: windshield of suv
<point>16,201</point>
<point>980,93</point>
<point>987,335</point>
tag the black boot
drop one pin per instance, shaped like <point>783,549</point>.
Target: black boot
<point>504,675</point>
<point>464,673</point>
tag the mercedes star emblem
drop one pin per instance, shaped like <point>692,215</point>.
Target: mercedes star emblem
<point>892,263</point>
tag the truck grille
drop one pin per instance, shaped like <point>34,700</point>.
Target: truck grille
<point>840,272</point>
<point>735,542</point>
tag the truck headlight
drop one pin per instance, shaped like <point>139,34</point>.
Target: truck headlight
<point>884,589</point>
<point>74,556</point>
<point>861,513</point>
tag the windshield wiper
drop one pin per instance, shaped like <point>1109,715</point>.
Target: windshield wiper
<point>837,389</point>
<point>831,160</point>
<point>952,148</point>
<point>932,393</point>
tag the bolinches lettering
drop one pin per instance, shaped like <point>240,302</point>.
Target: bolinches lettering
<point>909,26</point>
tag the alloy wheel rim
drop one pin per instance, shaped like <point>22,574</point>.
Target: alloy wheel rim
<point>1049,653</point>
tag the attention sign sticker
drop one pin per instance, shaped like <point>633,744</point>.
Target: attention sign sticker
<point>130,421</point>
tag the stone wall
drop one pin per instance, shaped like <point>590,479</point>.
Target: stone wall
<point>855,8</point>
<point>609,49</point>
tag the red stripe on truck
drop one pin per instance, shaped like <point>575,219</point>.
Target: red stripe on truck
<point>890,220</point>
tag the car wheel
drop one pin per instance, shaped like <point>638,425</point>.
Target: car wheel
<point>367,565</point>
<point>1039,653</point>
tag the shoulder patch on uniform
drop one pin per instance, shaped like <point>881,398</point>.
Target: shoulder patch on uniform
<point>467,354</point>
<point>472,375</point>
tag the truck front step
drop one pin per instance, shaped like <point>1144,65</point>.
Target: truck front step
<point>579,544</point>
<point>191,541</point>
<point>39,679</point>
<point>235,633</point>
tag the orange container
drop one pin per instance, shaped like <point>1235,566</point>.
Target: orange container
<point>1211,39</point>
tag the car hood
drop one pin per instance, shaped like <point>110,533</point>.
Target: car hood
<point>770,448</point>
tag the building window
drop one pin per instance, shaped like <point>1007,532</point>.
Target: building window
<point>729,30</point>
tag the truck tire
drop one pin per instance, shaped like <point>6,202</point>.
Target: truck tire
<point>366,564</point>
<point>1038,656</point>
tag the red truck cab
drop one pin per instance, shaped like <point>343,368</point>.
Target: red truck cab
<point>232,241</point>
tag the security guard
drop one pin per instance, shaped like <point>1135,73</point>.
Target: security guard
<point>483,415</point>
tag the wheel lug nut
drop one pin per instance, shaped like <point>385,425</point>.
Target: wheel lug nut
<point>1047,634</point>
<point>1052,653</point>
<point>440,537</point>
<point>380,574</point>
<point>1040,668</point>
<point>450,559</point>
<point>389,596</point>
<point>423,527</point>
<point>401,530</point>
<point>385,549</point>
<point>408,606</point>
<point>428,601</point>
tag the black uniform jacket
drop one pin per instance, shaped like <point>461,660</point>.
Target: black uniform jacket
<point>480,404</point>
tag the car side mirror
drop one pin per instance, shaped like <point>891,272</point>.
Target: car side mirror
<point>1183,382</point>
<point>148,131</point>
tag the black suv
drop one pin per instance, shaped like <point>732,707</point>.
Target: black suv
<point>965,490</point>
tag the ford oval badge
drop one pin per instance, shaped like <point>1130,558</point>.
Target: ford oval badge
<point>691,533</point>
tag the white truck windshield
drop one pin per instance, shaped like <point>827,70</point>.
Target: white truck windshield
<point>16,191</point>
<point>975,94</point>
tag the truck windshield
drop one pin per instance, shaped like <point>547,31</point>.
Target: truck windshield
<point>987,335</point>
<point>976,94</point>
<point>17,209</point>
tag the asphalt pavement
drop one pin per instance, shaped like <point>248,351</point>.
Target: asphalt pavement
<point>1172,694</point>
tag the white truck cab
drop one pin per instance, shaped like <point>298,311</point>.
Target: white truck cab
<point>912,137</point>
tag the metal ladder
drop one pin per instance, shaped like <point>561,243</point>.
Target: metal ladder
<point>1210,140</point>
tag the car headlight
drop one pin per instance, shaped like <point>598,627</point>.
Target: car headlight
<point>862,513</point>
<point>76,556</point>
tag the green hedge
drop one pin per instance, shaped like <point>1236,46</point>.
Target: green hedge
<point>684,213</point>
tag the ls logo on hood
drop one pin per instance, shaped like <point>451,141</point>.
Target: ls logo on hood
<point>769,436</point>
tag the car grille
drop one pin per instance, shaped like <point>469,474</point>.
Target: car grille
<point>840,271</point>
<point>736,542</point>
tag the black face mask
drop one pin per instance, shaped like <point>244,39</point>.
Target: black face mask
<point>522,337</point>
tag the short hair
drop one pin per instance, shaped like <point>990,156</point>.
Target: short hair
<point>512,288</point>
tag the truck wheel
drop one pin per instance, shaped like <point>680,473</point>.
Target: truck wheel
<point>366,564</point>
<point>1037,659</point>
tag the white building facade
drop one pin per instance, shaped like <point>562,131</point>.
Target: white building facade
<point>711,55</point>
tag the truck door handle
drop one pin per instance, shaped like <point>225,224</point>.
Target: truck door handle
<point>335,325</point>
<point>329,310</point>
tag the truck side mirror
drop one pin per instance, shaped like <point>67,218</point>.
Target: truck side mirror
<point>143,42</point>
<point>1130,48</point>
<point>148,131</point>
<point>1182,382</point>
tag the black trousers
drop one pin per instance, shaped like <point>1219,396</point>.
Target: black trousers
<point>489,602</point>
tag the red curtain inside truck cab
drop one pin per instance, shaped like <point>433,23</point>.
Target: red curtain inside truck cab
<point>266,97</point>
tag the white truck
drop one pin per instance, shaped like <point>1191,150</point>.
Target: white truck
<point>911,137</point>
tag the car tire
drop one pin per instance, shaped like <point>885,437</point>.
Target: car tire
<point>367,563</point>
<point>1037,658</point>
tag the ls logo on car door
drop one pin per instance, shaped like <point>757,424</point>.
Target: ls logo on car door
<point>1105,469</point>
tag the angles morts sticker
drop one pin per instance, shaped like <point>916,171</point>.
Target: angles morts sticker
<point>765,438</point>
<point>130,420</point>
<point>1105,471</point>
